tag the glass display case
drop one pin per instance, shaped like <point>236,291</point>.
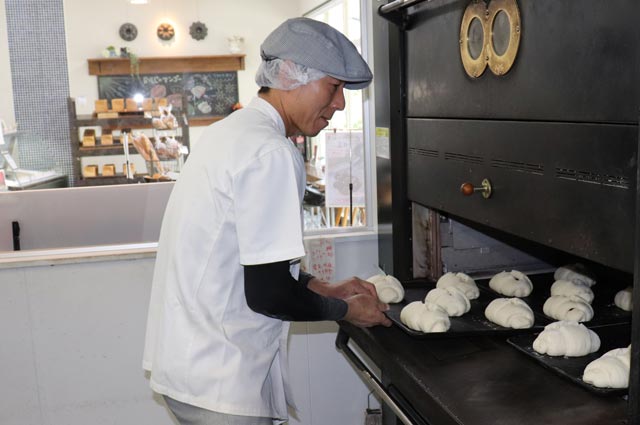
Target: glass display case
<point>25,166</point>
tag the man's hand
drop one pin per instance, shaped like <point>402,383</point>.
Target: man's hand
<point>365,311</point>
<point>344,288</point>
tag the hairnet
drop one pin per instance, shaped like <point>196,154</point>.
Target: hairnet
<point>285,75</point>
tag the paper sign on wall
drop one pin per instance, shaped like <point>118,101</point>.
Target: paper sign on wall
<point>382,142</point>
<point>320,260</point>
<point>345,163</point>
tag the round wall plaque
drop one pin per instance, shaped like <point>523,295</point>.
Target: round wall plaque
<point>128,32</point>
<point>165,31</point>
<point>198,30</point>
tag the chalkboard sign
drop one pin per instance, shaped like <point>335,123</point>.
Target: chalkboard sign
<point>208,94</point>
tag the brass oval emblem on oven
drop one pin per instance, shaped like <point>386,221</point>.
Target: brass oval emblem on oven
<point>504,27</point>
<point>473,39</point>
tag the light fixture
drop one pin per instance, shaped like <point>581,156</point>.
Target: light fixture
<point>138,1</point>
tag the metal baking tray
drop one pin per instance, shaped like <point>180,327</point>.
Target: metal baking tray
<point>472,323</point>
<point>572,368</point>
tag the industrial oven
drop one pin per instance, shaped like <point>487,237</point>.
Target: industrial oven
<point>519,120</point>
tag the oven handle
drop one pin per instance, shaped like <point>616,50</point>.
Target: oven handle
<point>341,343</point>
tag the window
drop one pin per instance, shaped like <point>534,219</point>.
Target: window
<point>338,162</point>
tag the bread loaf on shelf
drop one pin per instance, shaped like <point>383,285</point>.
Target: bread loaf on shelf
<point>89,137</point>
<point>131,105</point>
<point>147,104</point>
<point>117,105</point>
<point>90,171</point>
<point>132,167</point>
<point>101,105</point>
<point>106,138</point>
<point>109,170</point>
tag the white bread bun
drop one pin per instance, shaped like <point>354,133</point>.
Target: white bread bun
<point>624,299</point>
<point>388,288</point>
<point>511,284</point>
<point>572,308</point>
<point>569,288</point>
<point>566,338</point>
<point>461,281</point>
<point>451,299</point>
<point>510,313</point>
<point>425,317</point>
<point>611,370</point>
<point>566,273</point>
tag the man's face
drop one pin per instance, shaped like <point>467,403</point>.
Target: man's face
<point>310,107</point>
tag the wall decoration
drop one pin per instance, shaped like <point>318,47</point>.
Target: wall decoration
<point>235,44</point>
<point>207,94</point>
<point>128,32</point>
<point>198,30</point>
<point>165,31</point>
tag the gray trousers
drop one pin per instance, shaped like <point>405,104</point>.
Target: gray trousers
<point>187,414</point>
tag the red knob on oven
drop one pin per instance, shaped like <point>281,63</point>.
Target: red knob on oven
<point>467,189</point>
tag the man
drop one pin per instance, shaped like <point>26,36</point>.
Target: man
<point>227,270</point>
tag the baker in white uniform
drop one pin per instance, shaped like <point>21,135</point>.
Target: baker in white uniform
<point>227,278</point>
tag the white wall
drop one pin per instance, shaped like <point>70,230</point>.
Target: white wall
<point>92,25</point>
<point>73,338</point>
<point>307,5</point>
<point>83,216</point>
<point>7,113</point>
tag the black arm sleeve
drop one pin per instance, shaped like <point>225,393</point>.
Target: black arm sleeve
<point>304,278</point>
<point>271,290</point>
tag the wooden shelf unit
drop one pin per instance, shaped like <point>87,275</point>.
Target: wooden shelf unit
<point>167,65</point>
<point>77,122</point>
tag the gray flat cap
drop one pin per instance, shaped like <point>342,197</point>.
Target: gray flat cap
<point>317,45</point>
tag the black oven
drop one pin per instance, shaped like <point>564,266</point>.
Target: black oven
<point>538,150</point>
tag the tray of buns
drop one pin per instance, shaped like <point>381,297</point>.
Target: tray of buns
<point>572,368</point>
<point>472,323</point>
<point>605,311</point>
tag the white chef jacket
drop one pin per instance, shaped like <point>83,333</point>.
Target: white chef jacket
<point>237,202</point>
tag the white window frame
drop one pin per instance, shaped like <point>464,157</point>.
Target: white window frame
<point>368,128</point>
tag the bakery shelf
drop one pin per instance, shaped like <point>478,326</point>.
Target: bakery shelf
<point>126,121</point>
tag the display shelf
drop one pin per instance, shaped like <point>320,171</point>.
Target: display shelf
<point>115,149</point>
<point>126,121</point>
<point>109,180</point>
